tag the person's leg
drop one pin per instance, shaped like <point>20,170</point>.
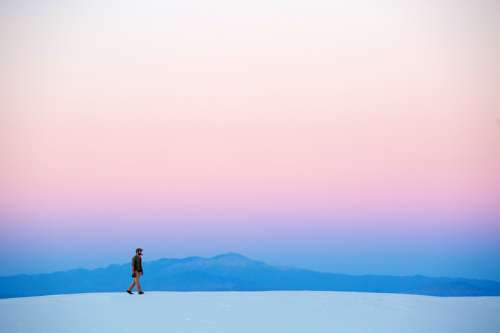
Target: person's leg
<point>139,288</point>
<point>132,285</point>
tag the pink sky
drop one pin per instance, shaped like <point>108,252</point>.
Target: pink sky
<point>298,117</point>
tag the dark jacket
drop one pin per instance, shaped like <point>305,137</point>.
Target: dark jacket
<point>137,263</point>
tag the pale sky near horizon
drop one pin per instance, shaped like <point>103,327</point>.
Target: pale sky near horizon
<point>354,137</point>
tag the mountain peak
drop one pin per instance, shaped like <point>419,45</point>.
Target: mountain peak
<point>230,255</point>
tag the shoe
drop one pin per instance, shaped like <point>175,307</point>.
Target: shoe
<point>141,292</point>
<point>131,293</point>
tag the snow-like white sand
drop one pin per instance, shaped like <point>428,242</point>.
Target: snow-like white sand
<point>255,312</point>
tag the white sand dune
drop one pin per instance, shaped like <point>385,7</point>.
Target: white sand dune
<point>255,312</point>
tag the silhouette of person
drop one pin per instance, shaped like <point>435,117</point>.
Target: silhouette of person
<point>136,272</point>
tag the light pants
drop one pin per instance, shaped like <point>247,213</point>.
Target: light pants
<point>136,282</point>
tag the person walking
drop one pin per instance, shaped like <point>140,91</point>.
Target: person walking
<point>136,272</point>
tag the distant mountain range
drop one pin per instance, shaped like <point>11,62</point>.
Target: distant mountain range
<point>233,272</point>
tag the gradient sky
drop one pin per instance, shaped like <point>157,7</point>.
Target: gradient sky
<point>355,138</point>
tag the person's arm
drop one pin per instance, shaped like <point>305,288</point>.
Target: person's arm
<point>133,265</point>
